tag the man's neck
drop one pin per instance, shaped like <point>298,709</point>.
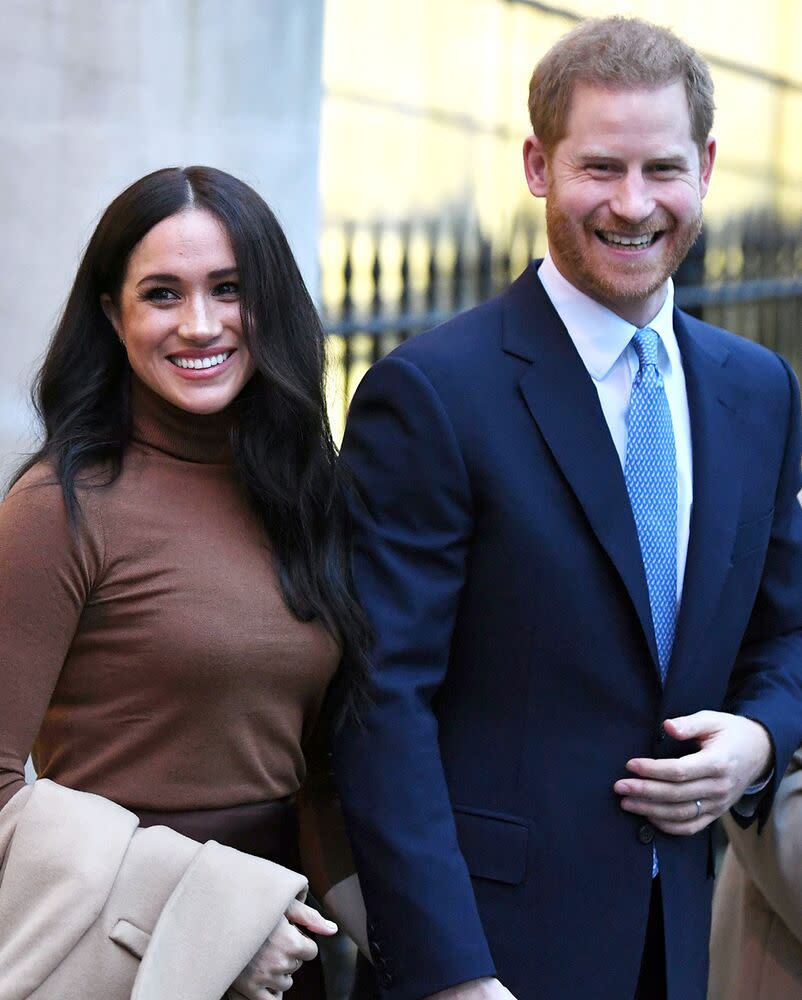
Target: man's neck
<point>639,312</point>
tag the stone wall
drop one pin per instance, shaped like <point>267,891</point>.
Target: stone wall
<point>97,94</point>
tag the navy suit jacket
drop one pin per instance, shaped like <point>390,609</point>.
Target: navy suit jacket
<point>515,661</point>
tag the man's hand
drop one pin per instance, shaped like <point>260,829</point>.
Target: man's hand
<point>476,989</point>
<point>271,969</point>
<point>734,753</point>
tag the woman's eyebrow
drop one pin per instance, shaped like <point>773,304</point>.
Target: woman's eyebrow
<point>222,272</point>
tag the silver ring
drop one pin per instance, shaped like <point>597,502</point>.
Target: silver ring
<point>698,809</point>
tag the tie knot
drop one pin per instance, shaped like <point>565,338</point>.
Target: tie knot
<point>645,342</point>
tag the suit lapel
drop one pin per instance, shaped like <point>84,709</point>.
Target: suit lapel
<point>717,472</point>
<point>564,403</point>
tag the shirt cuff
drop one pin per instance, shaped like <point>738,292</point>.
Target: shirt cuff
<point>748,803</point>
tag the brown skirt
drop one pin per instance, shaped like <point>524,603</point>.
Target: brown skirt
<point>265,829</point>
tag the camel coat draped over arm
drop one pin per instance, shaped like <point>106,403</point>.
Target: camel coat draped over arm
<point>91,906</point>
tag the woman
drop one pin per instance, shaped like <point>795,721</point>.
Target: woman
<point>175,596</point>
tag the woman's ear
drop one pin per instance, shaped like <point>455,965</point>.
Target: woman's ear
<point>112,315</point>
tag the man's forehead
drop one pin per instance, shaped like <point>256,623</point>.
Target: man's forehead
<point>605,110</point>
<point>581,83</point>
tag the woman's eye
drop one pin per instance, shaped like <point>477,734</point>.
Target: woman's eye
<point>160,295</point>
<point>227,288</point>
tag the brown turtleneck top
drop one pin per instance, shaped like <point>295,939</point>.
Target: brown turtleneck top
<point>156,664</point>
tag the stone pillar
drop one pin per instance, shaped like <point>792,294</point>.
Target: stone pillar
<point>98,94</point>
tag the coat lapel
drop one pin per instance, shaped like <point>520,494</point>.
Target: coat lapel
<point>717,472</point>
<point>564,403</point>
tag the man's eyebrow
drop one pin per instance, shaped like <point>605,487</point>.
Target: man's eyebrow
<point>223,272</point>
<point>599,151</point>
<point>678,158</point>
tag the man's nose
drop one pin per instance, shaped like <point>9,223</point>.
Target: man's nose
<point>199,320</point>
<point>632,199</point>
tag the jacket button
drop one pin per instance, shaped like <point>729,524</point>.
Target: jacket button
<point>646,833</point>
<point>661,734</point>
<point>386,980</point>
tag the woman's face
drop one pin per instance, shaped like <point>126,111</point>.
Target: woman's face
<point>179,313</point>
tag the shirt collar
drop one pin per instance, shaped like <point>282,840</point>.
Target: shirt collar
<point>600,335</point>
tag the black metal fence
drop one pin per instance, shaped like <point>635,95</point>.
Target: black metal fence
<point>394,280</point>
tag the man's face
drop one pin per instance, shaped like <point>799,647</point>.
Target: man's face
<point>624,190</point>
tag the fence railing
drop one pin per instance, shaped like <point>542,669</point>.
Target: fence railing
<point>391,281</point>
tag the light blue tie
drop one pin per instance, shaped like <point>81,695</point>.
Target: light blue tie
<point>650,471</point>
<point>651,476</point>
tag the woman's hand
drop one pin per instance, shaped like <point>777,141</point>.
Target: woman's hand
<point>271,969</point>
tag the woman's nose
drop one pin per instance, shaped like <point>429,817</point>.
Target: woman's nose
<point>200,320</point>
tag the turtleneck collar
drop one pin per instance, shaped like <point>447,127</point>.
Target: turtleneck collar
<point>193,437</point>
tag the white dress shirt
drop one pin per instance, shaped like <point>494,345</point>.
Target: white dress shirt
<point>603,341</point>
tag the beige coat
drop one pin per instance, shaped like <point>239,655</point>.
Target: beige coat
<point>756,940</point>
<point>93,908</point>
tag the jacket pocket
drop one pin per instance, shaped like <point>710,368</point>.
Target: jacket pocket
<point>752,535</point>
<point>130,937</point>
<point>494,846</point>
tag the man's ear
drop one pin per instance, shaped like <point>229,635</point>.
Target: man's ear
<point>112,314</point>
<point>706,162</point>
<point>536,166</point>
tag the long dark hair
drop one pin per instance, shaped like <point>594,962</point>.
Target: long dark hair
<point>282,445</point>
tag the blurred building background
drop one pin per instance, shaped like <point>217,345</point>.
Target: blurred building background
<point>387,138</point>
<point>423,201</point>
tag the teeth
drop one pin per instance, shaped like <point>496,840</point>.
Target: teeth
<point>209,362</point>
<point>628,241</point>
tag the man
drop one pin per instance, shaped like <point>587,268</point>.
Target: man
<point>581,549</point>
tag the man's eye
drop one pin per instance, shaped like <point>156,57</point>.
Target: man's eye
<point>600,168</point>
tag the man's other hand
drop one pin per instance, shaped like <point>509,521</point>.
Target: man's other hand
<point>475,989</point>
<point>684,795</point>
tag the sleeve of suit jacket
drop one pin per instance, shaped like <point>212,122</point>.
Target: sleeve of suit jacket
<point>413,528</point>
<point>766,682</point>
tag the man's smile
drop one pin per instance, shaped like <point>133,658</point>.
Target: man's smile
<point>622,242</point>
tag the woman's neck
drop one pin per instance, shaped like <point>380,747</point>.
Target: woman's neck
<point>193,437</point>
